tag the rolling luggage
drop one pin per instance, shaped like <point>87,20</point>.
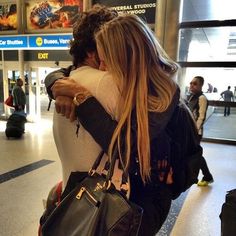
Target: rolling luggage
<point>228,214</point>
<point>16,125</point>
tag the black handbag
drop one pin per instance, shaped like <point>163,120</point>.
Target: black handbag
<point>93,207</point>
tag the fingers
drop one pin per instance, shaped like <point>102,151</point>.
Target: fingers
<point>72,116</point>
<point>162,164</point>
<point>162,167</point>
<point>64,105</point>
<point>169,179</point>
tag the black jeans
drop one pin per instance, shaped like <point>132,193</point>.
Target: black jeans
<point>227,111</point>
<point>155,201</point>
<point>207,176</point>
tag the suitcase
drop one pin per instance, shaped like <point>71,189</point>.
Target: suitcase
<point>228,214</point>
<point>15,125</point>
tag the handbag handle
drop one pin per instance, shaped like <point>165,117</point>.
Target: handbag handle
<point>96,163</point>
<point>124,178</point>
<point>111,165</point>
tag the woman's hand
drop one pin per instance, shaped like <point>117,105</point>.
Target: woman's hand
<point>162,166</point>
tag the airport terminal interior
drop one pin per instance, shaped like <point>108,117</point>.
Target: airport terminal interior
<point>30,166</point>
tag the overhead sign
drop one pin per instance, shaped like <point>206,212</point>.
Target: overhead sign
<point>143,8</point>
<point>13,42</point>
<point>50,41</point>
<point>35,42</point>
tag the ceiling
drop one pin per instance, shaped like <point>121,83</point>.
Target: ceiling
<point>211,43</point>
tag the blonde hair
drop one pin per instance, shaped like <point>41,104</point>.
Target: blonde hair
<point>143,73</point>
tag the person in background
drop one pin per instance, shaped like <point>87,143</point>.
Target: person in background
<point>228,96</point>
<point>129,51</point>
<point>19,97</point>
<point>197,103</point>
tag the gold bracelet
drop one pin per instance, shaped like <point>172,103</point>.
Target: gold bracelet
<point>79,98</point>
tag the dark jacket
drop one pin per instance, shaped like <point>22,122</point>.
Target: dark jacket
<point>19,98</point>
<point>101,126</point>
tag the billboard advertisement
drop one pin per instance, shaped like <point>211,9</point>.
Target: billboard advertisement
<point>52,14</point>
<point>143,8</point>
<point>8,17</point>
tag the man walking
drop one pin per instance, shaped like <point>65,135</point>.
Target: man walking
<point>197,103</point>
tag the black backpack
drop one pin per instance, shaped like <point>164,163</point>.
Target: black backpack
<point>184,150</point>
<point>15,126</point>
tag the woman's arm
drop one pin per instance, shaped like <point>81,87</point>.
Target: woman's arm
<point>101,126</point>
<point>96,121</point>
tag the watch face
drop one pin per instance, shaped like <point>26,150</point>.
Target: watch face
<point>81,97</point>
<point>75,101</point>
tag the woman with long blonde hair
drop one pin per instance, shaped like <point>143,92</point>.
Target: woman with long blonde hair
<point>133,56</point>
<point>128,49</point>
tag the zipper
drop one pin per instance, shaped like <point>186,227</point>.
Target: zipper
<point>84,190</point>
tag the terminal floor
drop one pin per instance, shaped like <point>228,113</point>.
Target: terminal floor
<point>29,167</point>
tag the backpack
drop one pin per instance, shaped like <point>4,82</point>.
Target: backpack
<point>15,126</point>
<point>178,144</point>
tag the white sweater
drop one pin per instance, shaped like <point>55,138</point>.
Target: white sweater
<point>79,153</point>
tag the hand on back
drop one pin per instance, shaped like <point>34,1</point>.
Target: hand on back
<point>64,105</point>
<point>64,87</point>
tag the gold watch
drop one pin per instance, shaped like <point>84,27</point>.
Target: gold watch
<point>79,98</point>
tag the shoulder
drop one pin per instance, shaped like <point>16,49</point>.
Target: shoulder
<point>202,97</point>
<point>202,100</point>
<point>87,72</point>
<point>108,94</point>
<point>107,81</point>
<point>88,77</point>
<point>107,86</point>
<point>15,88</point>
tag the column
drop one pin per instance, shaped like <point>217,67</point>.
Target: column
<point>167,25</point>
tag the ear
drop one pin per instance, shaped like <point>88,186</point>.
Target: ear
<point>90,55</point>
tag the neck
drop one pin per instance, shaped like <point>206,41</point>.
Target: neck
<point>89,62</point>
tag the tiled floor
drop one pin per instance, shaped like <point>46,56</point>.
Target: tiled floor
<point>22,192</point>
<point>199,215</point>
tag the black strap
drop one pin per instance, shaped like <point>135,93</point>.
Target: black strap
<point>49,104</point>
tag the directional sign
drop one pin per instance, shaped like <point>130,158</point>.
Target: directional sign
<point>49,41</point>
<point>13,42</point>
<point>35,42</point>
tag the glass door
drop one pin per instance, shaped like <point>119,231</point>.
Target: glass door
<point>33,91</point>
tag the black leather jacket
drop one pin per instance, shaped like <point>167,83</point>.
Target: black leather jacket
<point>100,125</point>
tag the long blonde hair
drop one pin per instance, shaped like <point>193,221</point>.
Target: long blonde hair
<point>143,73</point>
